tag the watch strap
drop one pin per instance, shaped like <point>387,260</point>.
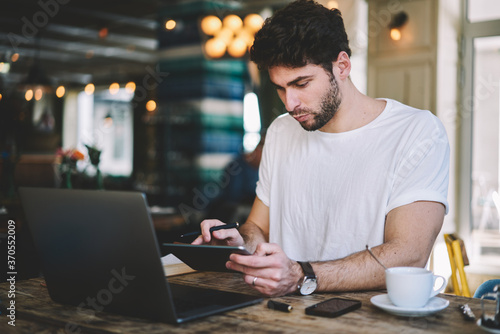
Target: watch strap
<point>307,269</point>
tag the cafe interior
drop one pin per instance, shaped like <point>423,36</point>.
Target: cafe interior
<point>159,96</point>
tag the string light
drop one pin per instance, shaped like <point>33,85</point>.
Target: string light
<point>60,91</point>
<point>89,89</point>
<point>211,25</point>
<point>151,106</point>
<point>38,94</point>
<point>114,88</point>
<point>28,95</point>
<point>232,22</point>
<point>232,35</point>
<point>130,87</point>
<point>253,22</point>
<point>170,24</point>
<point>237,48</point>
<point>215,48</point>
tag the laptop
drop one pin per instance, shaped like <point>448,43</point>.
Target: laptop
<point>99,252</point>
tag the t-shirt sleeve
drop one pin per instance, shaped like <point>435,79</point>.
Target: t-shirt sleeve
<point>422,173</point>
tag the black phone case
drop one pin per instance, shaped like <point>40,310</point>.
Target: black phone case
<point>333,307</point>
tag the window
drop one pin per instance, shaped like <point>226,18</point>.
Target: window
<point>480,140</point>
<point>483,10</point>
<point>104,121</point>
<point>251,122</point>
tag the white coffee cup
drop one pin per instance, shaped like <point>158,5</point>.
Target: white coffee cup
<point>411,287</point>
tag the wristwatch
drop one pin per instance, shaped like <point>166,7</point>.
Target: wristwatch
<point>309,283</point>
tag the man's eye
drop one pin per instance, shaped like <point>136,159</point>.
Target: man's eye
<point>303,84</point>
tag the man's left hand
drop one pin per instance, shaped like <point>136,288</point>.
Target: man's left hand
<point>268,270</point>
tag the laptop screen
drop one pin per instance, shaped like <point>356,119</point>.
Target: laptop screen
<point>99,252</point>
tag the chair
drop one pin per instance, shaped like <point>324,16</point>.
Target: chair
<point>486,287</point>
<point>458,260</point>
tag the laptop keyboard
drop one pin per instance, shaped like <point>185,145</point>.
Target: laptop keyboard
<point>188,305</point>
<point>190,300</point>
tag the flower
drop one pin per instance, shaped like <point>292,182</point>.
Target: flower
<point>70,155</point>
<point>67,166</point>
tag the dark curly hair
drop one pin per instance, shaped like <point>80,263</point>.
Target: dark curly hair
<point>304,32</point>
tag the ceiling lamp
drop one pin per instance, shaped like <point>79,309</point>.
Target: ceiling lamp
<point>397,22</point>
<point>170,24</point>
<point>215,48</point>
<point>36,80</point>
<point>232,22</point>
<point>28,95</point>
<point>211,25</point>
<point>89,89</point>
<point>253,22</point>
<point>107,121</point>
<point>151,106</point>
<point>232,35</point>
<point>38,94</point>
<point>114,88</point>
<point>237,48</point>
<point>60,91</point>
<point>130,87</point>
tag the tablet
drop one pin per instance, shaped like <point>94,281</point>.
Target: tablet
<point>204,257</point>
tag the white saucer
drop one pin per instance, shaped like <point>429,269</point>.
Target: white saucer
<point>434,305</point>
<point>488,329</point>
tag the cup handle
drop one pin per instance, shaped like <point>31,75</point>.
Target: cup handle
<point>441,288</point>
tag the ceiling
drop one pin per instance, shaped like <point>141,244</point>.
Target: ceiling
<point>64,36</point>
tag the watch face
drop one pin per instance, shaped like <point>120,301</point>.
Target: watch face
<point>308,286</point>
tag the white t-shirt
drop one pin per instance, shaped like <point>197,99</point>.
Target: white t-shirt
<point>329,193</point>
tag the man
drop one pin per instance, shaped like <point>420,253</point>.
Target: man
<point>340,171</point>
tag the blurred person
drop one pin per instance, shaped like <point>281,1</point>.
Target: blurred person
<point>236,197</point>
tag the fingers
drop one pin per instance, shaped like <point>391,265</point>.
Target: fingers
<point>270,265</point>
<point>263,285</point>
<point>261,257</point>
<point>205,226</point>
<point>197,241</point>
<point>229,237</point>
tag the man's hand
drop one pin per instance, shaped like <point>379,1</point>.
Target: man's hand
<point>229,237</point>
<point>276,274</point>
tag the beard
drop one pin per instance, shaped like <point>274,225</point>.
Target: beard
<point>329,106</point>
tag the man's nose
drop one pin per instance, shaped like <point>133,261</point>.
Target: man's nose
<point>291,101</point>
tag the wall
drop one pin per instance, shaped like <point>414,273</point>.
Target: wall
<point>421,70</point>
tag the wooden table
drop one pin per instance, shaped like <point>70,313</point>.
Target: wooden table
<point>37,313</point>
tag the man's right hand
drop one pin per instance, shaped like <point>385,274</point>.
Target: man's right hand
<point>229,237</point>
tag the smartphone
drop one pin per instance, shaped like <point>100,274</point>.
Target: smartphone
<point>334,307</point>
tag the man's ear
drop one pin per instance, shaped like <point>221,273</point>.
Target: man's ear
<point>343,63</point>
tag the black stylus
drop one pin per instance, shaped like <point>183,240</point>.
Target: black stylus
<point>213,228</point>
